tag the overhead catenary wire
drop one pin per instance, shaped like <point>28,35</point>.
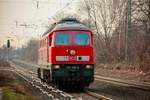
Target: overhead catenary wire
<point>60,10</point>
<point>25,1</point>
<point>29,2</point>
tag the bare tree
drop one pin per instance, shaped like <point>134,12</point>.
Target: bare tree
<point>105,16</point>
<point>30,51</point>
<point>141,19</point>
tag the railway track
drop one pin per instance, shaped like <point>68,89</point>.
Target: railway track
<point>56,91</point>
<point>134,84</point>
<point>51,92</point>
<point>56,94</point>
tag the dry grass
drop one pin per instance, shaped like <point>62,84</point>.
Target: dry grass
<point>124,71</point>
<point>120,66</point>
<point>13,89</point>
<point>11,94</point>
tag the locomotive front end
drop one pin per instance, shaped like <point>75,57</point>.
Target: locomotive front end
<point>66,55</point>
<point>73,58</point>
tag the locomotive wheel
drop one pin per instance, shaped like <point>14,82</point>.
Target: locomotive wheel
<point>46,76</point>
<point>39,73</point>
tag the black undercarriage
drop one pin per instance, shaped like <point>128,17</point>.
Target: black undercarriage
<point>68,75</point>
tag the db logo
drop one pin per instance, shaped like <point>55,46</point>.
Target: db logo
<point>72,52</point>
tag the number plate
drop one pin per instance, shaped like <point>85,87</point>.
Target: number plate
<point>72,58</point>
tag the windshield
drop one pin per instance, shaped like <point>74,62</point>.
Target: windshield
<point>81,39</point>
<point>62,39</point>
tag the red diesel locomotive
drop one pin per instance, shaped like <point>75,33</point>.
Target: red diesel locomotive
<point>66,55</point>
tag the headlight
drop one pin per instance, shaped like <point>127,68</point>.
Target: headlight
<point>57,66</point>
<point>88,66</point>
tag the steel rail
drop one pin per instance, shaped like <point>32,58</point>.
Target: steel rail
<point>6,68</point>
<point>98,96</point>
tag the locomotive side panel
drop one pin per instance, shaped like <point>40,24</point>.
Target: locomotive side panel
<point>43,52</point>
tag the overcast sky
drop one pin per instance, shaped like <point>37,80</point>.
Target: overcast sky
<point>14,14</point>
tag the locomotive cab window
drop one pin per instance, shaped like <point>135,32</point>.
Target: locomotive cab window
<point>62,39</point>
<point>81,39</point>
<point>50,41</point>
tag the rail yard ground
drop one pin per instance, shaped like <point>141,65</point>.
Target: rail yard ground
<point>15,88</point>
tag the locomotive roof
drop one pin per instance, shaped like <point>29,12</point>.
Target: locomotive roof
<point>70,26</point>
<point>67,25</point>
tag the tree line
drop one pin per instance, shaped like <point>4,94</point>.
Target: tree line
<point>117,37</point>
